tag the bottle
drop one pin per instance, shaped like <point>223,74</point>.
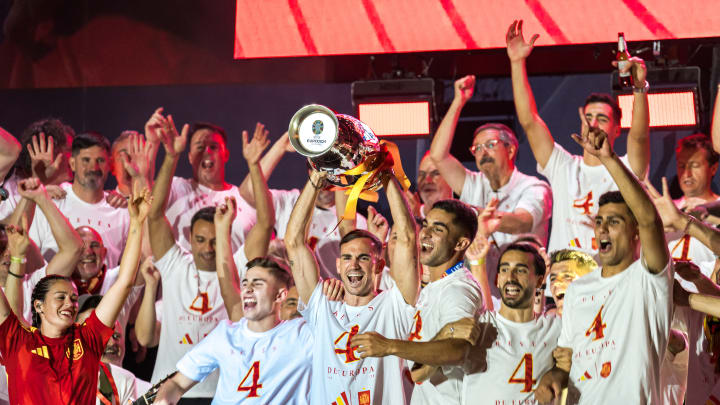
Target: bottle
<point>623,57</point>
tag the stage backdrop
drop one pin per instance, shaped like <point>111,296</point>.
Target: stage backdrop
<point>272,28</point>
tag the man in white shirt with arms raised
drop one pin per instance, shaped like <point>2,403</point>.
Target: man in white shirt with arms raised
<point>339,375</point>
<point>616,319</point>
<point>578,181</point>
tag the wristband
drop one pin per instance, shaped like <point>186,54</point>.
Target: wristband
<point>643,89</point>
<point>19,260</point>
<point>14,275</point>
<point>477,262</point>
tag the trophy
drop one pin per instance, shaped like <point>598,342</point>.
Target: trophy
<point>346,149</point>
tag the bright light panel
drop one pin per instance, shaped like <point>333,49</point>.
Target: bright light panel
<point>671,109</point>
<point>396,119</point>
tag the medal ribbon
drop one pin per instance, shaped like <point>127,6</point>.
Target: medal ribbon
<point>459,265</point>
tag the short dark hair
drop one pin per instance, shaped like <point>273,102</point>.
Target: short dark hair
<point>607,99</point>
<point>464,216</point>
<point>361,233</point>
<point>197,126</point>
<point>50,127</point>
<point>615,197</point>
<point>527,247</point>
<point>277,269</point>
<point>698,141</point>
<point>205,214</point>
<point>88,140</point>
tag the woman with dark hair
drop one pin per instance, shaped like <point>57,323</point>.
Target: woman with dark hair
<point>56,361</point>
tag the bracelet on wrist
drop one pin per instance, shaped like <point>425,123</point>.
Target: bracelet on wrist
<point>15,275</point>
<point>19,260</point>
<point>643,89</point>
<point>479,262</point>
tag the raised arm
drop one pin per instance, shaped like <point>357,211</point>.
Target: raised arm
<point>404,267</point>
<point>18,243</point>
<point>69,243</point>
<point>268,163</point>
<point>538,134</point>
<point>450,168</point>
<point>345,226</point>
<point>173,389</point>
<point>147,328</point>
<point>675,219</point>
<point>258,239</point>
<point>9,151</point>
<point>650,227</point>
<point>225,265</point>
<point>112,302</point>
<point>715,130</point>
<point>301,259</point>
<point>161,235</point>
<point>638,140</point>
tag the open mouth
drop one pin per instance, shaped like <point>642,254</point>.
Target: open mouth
<point>426,246</point>
<point>512,290</point>
<point>112,351</point>
<point>67,314</point>
<point>605,246</point>
<point>88,259</point>
<point>355,279</point>
<point>249,303</point>
<point>207,164</point>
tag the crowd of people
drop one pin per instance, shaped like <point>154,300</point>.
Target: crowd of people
<point>592,287</point>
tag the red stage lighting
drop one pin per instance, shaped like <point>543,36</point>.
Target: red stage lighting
<point>668,108</point>
<point>396,118</point>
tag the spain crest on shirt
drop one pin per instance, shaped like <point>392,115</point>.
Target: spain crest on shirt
<point>77,350</point>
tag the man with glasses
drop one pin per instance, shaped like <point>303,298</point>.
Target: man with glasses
<point>523,202</point>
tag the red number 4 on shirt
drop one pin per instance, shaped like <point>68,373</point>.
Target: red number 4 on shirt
<point>253,389</point>
<point>528,379</point>
<point>597,326</point>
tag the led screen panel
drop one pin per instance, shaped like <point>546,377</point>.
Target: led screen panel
<point>396,118</point>
<point>667,109</point>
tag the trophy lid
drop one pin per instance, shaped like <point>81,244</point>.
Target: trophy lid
<point>313,130</point>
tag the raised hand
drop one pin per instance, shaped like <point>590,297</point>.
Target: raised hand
<point>593,139</point>
<point>333,289</point>
<point>285,141</point>
<point>55,192</point>
<point>479,248</point>
<point>44,165</point>
<point>32,189</point>
<point>464,88</point>
<point>377,224</point>
<point>137,159</point>
<point>173,142</point>
<point>637,69</point>
<point>139,204</point>
<point>253,149</point>
<point>225,213</point>
<point>154,126</point>
<point>489,219</point>
<point>517,48</point>
<point>150,274</point>
<point>670,215</point>
<point>372,344</point>
<point>18,240</point>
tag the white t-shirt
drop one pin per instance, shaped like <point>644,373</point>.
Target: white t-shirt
<point>442,301</point>
<point>520,192</point>
<point>113,225</point>
<point>191,308</point>
<point>516,356</point>
<point>683,247</point>
<point>673,377</point>
<point>339,375</point>
<point>618,330</point>
<point>576,189</point>
<point>125,384</point>
<point>270,367</point>
<point>188,196</point>
<point>8,205</point>
<point>327,248</point>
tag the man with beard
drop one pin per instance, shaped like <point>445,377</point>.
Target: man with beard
<point>208,154</point>
<point>697,163</point>
<point>578,181</point>
<point>85,203</point>
<point>323,235</point>
<point>339,374</point>
<point>451,295</point>
<point>616,319</point>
